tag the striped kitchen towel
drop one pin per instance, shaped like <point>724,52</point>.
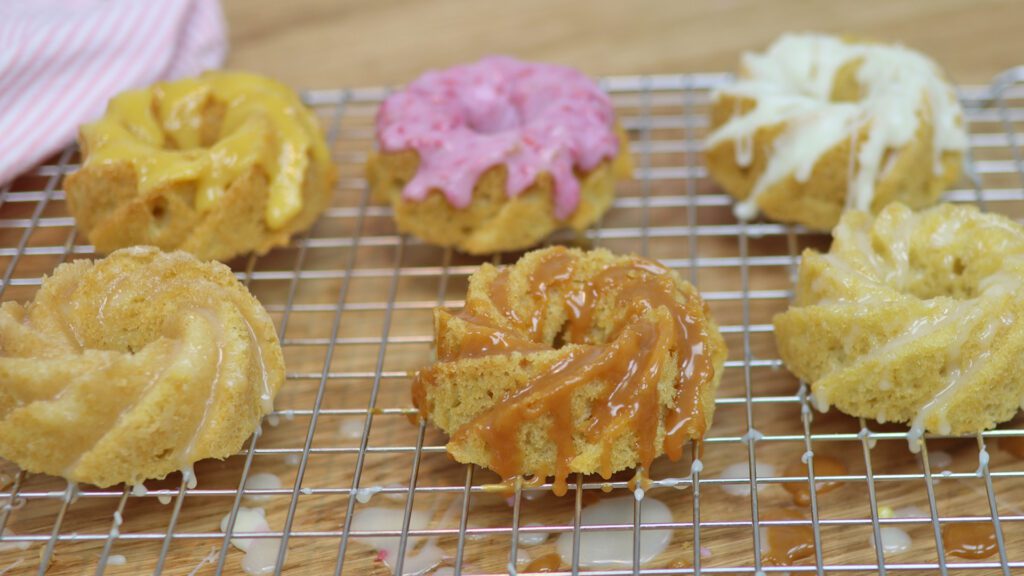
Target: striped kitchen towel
<point>61,60</point>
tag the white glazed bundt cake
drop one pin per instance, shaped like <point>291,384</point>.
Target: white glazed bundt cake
<point>572,361</point>
<point>818,124</point>
<point>914,318</point>
<point>133,367</point>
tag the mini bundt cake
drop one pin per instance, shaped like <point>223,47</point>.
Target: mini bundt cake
<point>496,155</point>
<point>133,367</point>
<point>220,165</point>
<point>913,318</point>
<point>572,361</point>
<point>819,124</point>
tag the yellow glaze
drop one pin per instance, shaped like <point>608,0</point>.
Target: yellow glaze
<point>159,130</point>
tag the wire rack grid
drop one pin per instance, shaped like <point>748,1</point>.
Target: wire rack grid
<point>365,488</point>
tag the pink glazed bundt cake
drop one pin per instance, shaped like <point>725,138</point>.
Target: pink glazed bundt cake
<point>496,155</point>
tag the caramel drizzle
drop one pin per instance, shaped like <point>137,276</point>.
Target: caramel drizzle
<point>480,339</point>
<point>785,544</point>
<point>652,321</point>
<point>547,563</point>
<point>971,540</point>
<point>823,466</point>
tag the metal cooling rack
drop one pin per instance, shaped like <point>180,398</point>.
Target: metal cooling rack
<point>352,302</point>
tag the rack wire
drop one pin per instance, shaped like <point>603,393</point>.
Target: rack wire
<point>352,301</point>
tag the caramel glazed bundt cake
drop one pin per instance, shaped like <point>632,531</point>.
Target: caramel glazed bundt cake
<point>913,318</point>
<point>132,367</point>
<point>495,155</point>
<point>220,165</point>
<point>818,124</point>
<point>572,361</point>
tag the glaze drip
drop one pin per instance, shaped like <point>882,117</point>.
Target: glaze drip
<point>823,466</point>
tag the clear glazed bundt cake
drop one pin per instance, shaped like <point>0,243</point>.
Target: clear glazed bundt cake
<point>572,361</point>
<point>220,165</point>
<point>494,156</point>
<point>914,318</point>
<point>133,367</point>
<point>818,124</point>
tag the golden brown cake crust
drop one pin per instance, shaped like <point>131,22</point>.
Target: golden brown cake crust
<point>492,222</point>
<point>132,367</point>
<point>913,318</point>
<point>524,377</point>
<point>114,210</point>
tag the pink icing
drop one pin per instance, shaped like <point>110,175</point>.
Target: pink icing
<point>533,118</point>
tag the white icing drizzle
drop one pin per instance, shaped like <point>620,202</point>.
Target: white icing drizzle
<point>753,435</point>
<point>260,553</point>
<point>139,490</point>
<point>117,560</point>
<point>174,356</point>
<point>741,471</point>
<point>677,483</point>
<point>792,83</point>
<point>267,395</point>
<point>603,549</point>
<point>187,455</point>
<point>261,557</point>
<point>352,428</point>
<point>958,372</point>
<point>696,467</point>
<point>118,521</point>
<point>261,481</point>
<point>939,459</point>
<point>247,520</point>
<point>982,462</point>
<point>363,495</point>
<point>532,538</point>
<point>374,519</point>
<point>894,540</point>
<point>188,474</point>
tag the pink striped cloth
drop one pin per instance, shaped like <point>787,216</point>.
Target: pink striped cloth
<point>61,60</point>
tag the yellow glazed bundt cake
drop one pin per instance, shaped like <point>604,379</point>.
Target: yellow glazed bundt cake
<point>134,366</point>
<point>220,165</point>
<point>572,361</point>
<point>913,318</point>
<point>818,124</point>
<point>495,155</point>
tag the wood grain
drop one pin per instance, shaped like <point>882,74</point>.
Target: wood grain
<point>326,44</point>
<point>321,44</point>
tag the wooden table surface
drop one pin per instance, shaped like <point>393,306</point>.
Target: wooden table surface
<point>324,44</point>
<point>330,43</point>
